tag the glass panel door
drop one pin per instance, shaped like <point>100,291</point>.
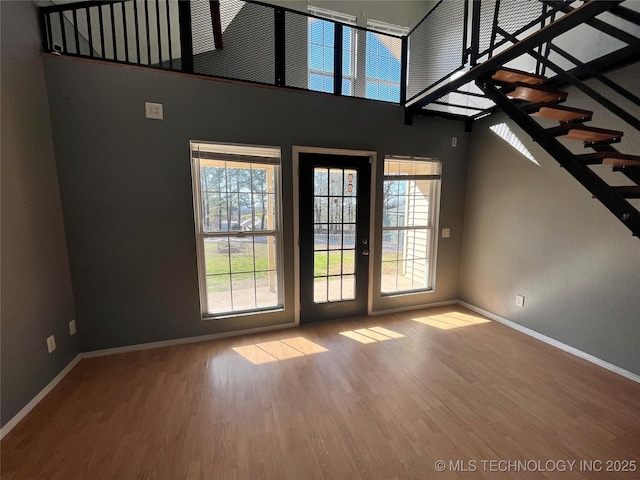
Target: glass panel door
<point>334,228</point>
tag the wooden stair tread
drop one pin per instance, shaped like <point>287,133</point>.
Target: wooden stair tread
<point>632,191</point>
<point>510,75</point>
<point>561,113</point>
<point>615,159</point>
<point>533,93</point>
<point>577,131</point>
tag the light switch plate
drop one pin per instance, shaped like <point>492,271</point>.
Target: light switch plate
<point>51,343</point>
<point>446,232</point>
<point>520,301</point>
<point>153,111</point>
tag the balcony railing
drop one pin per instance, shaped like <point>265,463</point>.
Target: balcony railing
<point>240,40</point>
<point>261,43</point>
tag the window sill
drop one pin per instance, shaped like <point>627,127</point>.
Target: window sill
<point>407,292</point>
<point>245,313</point>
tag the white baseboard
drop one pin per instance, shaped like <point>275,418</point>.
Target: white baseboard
<point>130,348</point>
<point>562,346</point>
<point>38,398</point>
<point>203,338</point>
<point>183,341</point>
<point>414,307</point>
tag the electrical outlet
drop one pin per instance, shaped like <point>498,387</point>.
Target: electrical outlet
<point>446,232</point>
<point>153,110</point>
<point>51,343</point>
<point>72,327</point>
<point>454,141</point>
<point>519,301</point>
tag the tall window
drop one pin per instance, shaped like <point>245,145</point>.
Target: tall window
<point>409,223</point>
<point>237,205</point>
<point>321,51</point>
<point>383,57</point>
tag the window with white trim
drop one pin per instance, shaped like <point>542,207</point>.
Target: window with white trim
<point>411,191</point>
<point>321,50</point>
<point>237,211</point>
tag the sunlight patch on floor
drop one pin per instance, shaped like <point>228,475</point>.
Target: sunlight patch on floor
<point>371,335</point>
<point>447,321</point>
<point>277,350</point>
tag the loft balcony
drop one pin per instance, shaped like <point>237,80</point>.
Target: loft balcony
<point>429,69</point>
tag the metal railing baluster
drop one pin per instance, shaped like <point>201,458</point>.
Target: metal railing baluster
<point>126,33</point>
<point>101,22</point>
<point>113,32</point>
<point>89,28</point>
<point>137,29</point>
<point>75,31</point>
<point>159,33</point>
<point>63,31</point>
<point>169,34</point>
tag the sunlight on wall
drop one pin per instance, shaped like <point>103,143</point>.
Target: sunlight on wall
<point>371,335</point>
<point>451,320</point>
<point>284,349</point>
<point>504,132</point>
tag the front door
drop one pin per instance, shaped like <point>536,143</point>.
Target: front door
<point>334,236</point>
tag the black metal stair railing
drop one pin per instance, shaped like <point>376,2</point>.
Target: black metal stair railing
<point>456,36</point>
<point>493,27</point>
<point>526,33</point>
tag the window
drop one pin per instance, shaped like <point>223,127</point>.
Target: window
<point>237,210</point>
<point>383,58</point>
<point>409,220</point>
<point>321,51</point>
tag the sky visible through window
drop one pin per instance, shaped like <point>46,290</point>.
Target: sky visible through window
<point>383,71</point>
<point>321,47</point>
<point>382,67</point>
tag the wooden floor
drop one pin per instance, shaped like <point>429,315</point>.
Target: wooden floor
<point>379,397</point>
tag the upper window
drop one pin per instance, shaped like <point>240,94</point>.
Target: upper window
<point>321,51</point>
<point>383,61</point>
<point>237,208</point>
<point>409,224</point>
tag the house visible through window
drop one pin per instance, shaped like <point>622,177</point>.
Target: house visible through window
<point>410,212</point>
<point>237,205</point>
<point>321,51</point>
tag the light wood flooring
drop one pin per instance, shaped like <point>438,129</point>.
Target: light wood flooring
<point>378,397</point>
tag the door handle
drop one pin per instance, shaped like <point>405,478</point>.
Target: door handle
<point>365,253</point>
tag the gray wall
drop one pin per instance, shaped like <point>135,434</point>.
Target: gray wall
<point>126,187</point>
<point>534,230</point>
<point>36,286</point>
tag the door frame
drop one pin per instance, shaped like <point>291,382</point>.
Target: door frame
<point>373,156</point>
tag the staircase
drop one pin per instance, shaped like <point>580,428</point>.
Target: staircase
<point>525,99</point>
<point>528,98</point>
